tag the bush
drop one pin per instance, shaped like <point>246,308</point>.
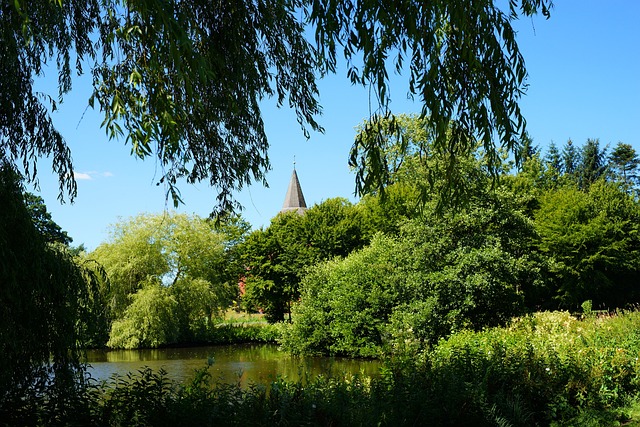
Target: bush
<point>541,368</point>
<point>432,281</point>
<point>345,303</point>
<point>593,238</point>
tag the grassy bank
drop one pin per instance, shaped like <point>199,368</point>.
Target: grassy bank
<point>239,327</point>
<point>544,369</point>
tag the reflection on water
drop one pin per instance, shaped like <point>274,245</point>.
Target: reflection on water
<point>247,363</point>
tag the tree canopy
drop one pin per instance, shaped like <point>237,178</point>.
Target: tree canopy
<point>271,262</point>
<point>168,277</point>
<point>547,235</point>
<point>43,221</point>
<point>182,81</point>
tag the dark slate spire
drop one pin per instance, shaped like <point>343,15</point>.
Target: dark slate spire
<point>294,200</point>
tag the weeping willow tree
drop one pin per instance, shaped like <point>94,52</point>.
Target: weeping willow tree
<point>181,81</point>
<point>46,302</point>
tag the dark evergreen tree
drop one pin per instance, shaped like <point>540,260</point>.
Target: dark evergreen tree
<point>570,158</point>
<point>553,158</point>
<point>592,165</point>
<point>527,151</point>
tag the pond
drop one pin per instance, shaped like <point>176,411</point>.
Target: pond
<point>246,363</point>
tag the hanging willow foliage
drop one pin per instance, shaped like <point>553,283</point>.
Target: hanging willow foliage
<point>181,81</point>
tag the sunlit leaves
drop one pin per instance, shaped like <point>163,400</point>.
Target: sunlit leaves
<point>403,149</point>
<point>463,63</point>
<point>148,321</point>
<point>182,82</point>
<point>272,261</point>
<point>168,249</point>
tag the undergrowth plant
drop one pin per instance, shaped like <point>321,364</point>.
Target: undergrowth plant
<point>543,369</point>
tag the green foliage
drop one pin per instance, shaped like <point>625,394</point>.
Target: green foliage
<point>183,261</point>
<point>401,150</point>
<point>386,214</point>
<point>227,333</point>
<point>549,366</point>
<point>133,254</point>
<point>464,65</point>
<point>624,162</point>
<point>45,225</point>
<point>274,260</point>
<point>442,273</point>
<point>48,305</point>
<point>182,82</point>
<point>163,78</point>
<point>593,165</point>
<point>553,159</point>
<point>542,369</point>
<point>592,239</point>
<point>264,295</point>
<point>346,302</point>
<point>571,158</point>
<point>197,305</point>
<point>148,321</point>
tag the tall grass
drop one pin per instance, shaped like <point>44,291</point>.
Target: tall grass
<point>541,369</point>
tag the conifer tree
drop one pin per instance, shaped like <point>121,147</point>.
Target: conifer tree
<point>570,159</point>
<point>592,163</point>
<point>554,159</point>
<point>624,162</point>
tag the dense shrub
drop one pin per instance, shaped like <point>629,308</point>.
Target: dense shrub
<point>345,303</point>
<point>593,238</point>
<point>441,274</point>
<point>541,368</point>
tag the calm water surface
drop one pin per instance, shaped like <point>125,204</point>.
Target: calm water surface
<point>248,363</point>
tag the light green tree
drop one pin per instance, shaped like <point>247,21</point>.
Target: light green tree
<point>130,257</point>
<point>184,256</point>
<point>148,321</point>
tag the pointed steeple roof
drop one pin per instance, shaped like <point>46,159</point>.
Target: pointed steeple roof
<point>294,200</point>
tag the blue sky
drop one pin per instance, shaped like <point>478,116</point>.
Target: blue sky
<point>584,68</point>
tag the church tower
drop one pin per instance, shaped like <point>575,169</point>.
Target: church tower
<point>294,200</point>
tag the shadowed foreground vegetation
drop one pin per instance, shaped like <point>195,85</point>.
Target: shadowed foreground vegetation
<point>543,369</point>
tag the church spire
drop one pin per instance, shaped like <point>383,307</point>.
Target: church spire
<point>294,200</point>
